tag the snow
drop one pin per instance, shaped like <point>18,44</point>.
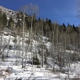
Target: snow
<point>9,13</point>
<point>8,18</point>
<point>69,51</point>
<point>11,69</point>
<point>48,45</point>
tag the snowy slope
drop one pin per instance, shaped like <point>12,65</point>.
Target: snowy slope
<point>11,69</point>
<point>9,13</point>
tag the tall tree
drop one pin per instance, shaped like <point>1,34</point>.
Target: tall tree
<point>4,19</point>
<point>11,24</point>
<point>30,10</point>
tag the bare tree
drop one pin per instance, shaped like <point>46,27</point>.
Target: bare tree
<point>23,24</point>
<point>78,8</point>
<point>30,10</point>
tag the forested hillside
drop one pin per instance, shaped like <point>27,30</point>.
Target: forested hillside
<point>26,41</point>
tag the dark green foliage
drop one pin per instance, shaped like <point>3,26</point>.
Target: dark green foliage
<point>3,57</point>
<point>10,47</point>
<point>27,20</point>
<point>36,61</point>
<point>0,16</point>
<point>62,28</point>
<point>19,18</point>
<point>10,23</point>
<point>4,19</point>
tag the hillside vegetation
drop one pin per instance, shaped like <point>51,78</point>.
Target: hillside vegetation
<point>37,46</point>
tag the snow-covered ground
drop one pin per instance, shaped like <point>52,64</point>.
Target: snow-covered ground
<point>11,69</point>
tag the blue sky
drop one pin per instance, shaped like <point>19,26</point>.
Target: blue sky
<point>61,11</point>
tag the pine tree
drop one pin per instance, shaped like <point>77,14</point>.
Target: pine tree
<point>11,23</point>
<point>4,19</point>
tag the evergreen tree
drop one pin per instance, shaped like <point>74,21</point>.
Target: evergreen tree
<point>4,19</point>
<point>10,23</point>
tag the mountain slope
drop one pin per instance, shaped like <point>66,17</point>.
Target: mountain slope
<point>9,13</point>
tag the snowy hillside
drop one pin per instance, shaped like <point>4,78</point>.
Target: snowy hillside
<point>11,67</point>
<point>8,12</point>
<point>33,56</point>
<point>10,64</point>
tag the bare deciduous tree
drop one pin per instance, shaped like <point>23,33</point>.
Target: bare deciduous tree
<point>30,10</point>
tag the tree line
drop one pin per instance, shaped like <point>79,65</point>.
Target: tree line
<point>62,37</point>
